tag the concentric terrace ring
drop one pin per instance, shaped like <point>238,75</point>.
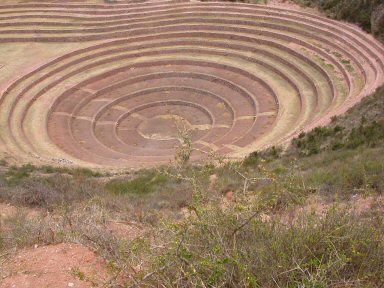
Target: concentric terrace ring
<point>239,77</point>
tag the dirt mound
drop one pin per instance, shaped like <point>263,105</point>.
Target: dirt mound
<point>62,265</point>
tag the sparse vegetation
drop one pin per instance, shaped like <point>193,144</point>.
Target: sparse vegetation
<point>147,182</point>
<point>356,11</point>
<point>213,250</point>
<point>361,127</point>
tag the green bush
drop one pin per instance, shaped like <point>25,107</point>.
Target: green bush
<point>217,249</point>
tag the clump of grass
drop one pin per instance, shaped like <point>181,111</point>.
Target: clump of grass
<point>146,183</point>
<point>76,172</point>
<point>23,230</point>
<point>48,192</point>
<point>15,175</point>
<point>268,155</point>
<point>346,61</point>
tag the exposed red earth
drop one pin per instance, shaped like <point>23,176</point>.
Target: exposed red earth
<point>110,85</point>
<point>57,265</point>
<point>61,265</point>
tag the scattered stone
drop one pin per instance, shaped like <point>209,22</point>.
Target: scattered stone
<point>62,161</point>
<point>228,196</point>
<point>213,181</point>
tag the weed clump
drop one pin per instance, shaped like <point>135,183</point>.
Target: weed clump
<point>144,184</point>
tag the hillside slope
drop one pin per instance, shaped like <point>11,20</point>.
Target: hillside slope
<point>368,14</point>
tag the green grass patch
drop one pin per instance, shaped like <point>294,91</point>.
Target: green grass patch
<point>77,172</point>
<point>15,175</point>
<point>142,185</point>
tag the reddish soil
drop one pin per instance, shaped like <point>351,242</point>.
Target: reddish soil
<point>125,230</point>
<point>62,265</point>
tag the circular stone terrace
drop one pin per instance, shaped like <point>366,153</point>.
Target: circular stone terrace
<point>239,77</point>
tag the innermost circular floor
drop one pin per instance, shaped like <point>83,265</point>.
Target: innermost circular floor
<point>164,127</point>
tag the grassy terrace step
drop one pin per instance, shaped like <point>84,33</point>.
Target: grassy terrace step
<point>241,77</point>
<point>271,25</point>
